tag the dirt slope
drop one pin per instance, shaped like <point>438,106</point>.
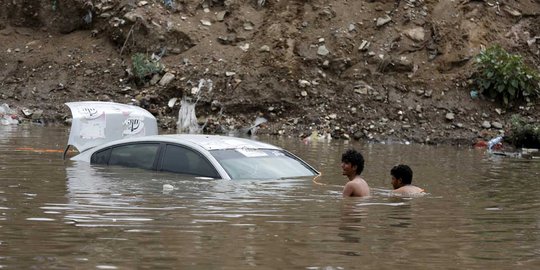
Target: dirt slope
<point>376,70</point>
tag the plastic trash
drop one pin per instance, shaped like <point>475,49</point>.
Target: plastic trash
<point>474,94</point>
<point>169,3</point>
<point>8,120</point>
<point>493,142</point>
<point>7,115</point>
<point>167,187</point>
<point>88,17</point>
<point>5,109</point>
<point>253,129</point>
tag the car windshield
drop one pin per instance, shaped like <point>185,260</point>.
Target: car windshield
<point>261,164</point>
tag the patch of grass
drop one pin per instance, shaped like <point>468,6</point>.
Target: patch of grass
<point>505,77</point>
<point>524,133</point>
<point>144,67</point>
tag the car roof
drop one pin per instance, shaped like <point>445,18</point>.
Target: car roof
<point>207,142</point>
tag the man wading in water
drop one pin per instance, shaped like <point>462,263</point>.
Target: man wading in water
<point>401,181</point>
<point>352,164</point>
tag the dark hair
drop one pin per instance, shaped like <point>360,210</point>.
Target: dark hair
<point>355,158</point>
<point>402,172</point>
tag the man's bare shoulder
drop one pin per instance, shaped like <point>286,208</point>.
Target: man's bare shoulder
<point>357,187</point>
<point>408,190</point>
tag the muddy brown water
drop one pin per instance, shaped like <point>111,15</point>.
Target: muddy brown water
<point>481,212</point>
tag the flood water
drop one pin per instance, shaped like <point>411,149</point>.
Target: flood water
<point>481,212</point>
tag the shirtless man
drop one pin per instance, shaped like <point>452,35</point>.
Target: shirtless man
<point>352,164</point>
<point>401,181</point>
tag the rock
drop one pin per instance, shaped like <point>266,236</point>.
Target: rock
<point>450,116</point>
<point>364,46</point>
<point>6,32</point>
<point>206,22</point>
<point>512,11</point>
<point>227,40</point>
<point>171,102</point>
<point>176,51</point>
<point>403,64</point>
<point>383,20</point>
<point>220,16</point>
<point>167,78</point>
<point>105,15</point>
<point>248,26</point>
<point>358,135</point>
<point>322,50</point>
<point>244,47</point>
<point>303,83</point>
<point>326,63</point>
<point>264,48</point>
<point>486,124</point>
<point>362,88</point>
<point>230,73</point>
<point>127,89</point>
<point>496,125</point>
<point>133,17</point>
<point>304,93</point>
<point>37,114</point>
<point>155,79</point>
<point>416,34</point>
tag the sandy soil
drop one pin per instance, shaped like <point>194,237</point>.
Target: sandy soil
<point>366,70</point>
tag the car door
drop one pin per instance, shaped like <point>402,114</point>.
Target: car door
<point>180,159</point>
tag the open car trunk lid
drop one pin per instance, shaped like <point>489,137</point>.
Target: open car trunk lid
<point>97,122</point>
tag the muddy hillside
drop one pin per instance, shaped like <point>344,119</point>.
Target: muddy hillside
<point>360,69</point>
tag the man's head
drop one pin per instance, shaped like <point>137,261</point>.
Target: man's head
<point>355,159</point>
<point>401,176</point>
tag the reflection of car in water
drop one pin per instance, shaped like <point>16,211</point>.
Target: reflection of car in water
<point>116,134</point>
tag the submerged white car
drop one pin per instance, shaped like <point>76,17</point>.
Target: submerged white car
<point>108,133</point>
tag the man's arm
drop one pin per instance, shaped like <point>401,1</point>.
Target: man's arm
<point>348,190</point>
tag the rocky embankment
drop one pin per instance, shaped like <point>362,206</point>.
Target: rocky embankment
<point>365,70</point>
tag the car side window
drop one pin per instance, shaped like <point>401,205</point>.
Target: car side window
<point>139,155</point>
<point>101,157</point>
<point>183,160</point>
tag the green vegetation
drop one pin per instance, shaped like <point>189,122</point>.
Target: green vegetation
<point>504,77</point>
<point>523,133</point>
<point>144,68</point>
